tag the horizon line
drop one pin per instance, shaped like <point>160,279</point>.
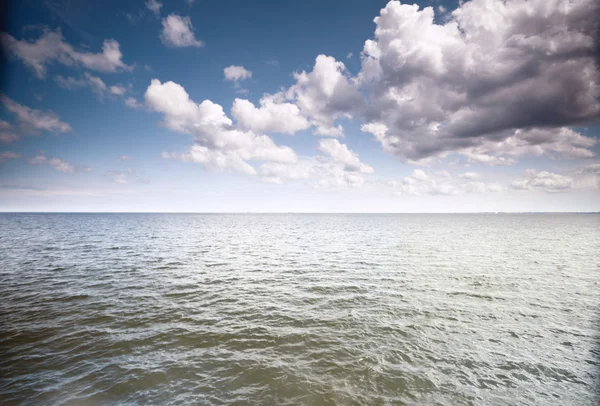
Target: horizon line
<point>292,212</point>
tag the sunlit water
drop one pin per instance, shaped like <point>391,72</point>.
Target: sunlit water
<point>299,309</point>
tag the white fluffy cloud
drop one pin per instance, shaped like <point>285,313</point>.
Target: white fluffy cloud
<point>421,183</point>
<point>552,142</point>
<point>118,90</point>
<point>341,154</point>
<point>273,115</point>
<point>132,103</point>
<point>51,47</point>
<point>548,181</point>
<point>492,69</point>
<point>325,94</point>
<point>34,121</point>
<point>178,32</point>
<point>340,168</point>
<point>236,74</point>
<point>219,144</point>
<point>154,6</point>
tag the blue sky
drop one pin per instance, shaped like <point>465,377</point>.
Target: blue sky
<point>299,106</point>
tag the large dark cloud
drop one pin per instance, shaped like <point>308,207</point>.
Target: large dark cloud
<point>493,68</point>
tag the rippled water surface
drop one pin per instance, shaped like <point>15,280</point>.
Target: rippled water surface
<point>298,309</point>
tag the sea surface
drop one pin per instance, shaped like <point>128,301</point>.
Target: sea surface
<point>165,309</point>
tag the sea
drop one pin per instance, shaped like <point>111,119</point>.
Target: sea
<point>299,309</point>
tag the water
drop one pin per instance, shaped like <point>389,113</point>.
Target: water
<point>299,309</point>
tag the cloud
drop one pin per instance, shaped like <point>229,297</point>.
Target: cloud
<point>559,142</point>
<point>51,47</point>
<point>97,85</point>
<point>547,181</point>
<point>154,6</point>
<point>132,103</point>
<point>341,154</point>
<point>125,176</point>
<point>273,115</point>
<point>236,74</point>
<point>34,121</point>
<point>340,168</point>
<point>492,69</point>
<point>7,133</point>
<point>6,155</point>
<point>56,163</point>
<point>118,90</point>
<point>421,183</point>
<point>470,175</point>
<point>178,32</point>
<point>325,94</point>
<point>218,143</point>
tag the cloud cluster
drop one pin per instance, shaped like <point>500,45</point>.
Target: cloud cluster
<point>421,183</point>
<point>494,67</point>
<point>325,94</point>
<point>31,120</point>
<point>273,116</point>
<point>236,73</point>
<point>552,142</point>
<point>51,47</point>
<point>218,143</point>
<point>94,83</point>
<point>178,32</point>
<point>56,163</point>
<point>339,168</point>
<point>547,181</point>
<point>154,6</point>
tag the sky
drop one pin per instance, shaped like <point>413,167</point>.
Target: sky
<point>313,106</point>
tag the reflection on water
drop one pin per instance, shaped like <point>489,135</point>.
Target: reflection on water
<point>298,309</point>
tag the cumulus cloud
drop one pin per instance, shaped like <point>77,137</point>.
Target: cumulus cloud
<point>325,94</point>
<point>559,142</point>
<point>34,121</point>
<point>339,168</point>
<point>6,155</point>
<point>154,6</point>
<point>341,154</point>
<point>273,115</point>
<point>132,103</point>
<point>51,47</point>
<point>236,74</point>
<point>510,72</point>
<point>218,143</point>
<point>97,85</point>
<point>118,90</point>
<point>547,181</point>
<point>56,163</point>
<point>178,32</point>
<point>421,183</point>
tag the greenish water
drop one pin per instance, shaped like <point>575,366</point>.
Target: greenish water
<point>298,309</point>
